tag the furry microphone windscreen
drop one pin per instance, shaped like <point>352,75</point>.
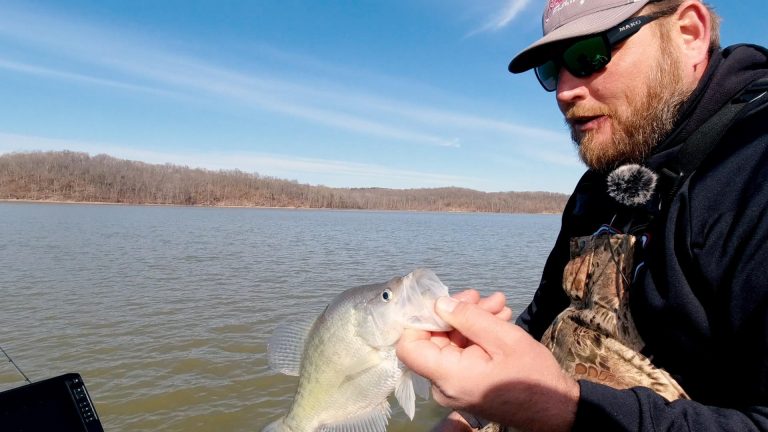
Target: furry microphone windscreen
<point>632,184</point>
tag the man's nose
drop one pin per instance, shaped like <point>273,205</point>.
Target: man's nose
<point>570,89</point>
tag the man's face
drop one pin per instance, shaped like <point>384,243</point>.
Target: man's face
<point>619,114</point>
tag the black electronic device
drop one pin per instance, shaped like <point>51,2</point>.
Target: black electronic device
<point>59,404</point>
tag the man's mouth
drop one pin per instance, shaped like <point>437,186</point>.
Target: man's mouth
<point>586,122</point>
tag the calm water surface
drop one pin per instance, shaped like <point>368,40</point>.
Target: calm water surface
<point>165,311</point>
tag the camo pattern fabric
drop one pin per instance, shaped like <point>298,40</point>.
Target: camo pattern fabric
<point>595,337</point>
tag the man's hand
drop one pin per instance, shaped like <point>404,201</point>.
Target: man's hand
<point>491,367</point>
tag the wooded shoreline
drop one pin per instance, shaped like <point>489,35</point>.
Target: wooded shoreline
<point>74,177</point>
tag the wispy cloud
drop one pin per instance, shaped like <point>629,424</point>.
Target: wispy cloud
<point>503,17</point>
<point>130,63</point>
<point>267,85</point>
<point>556,158</point>
<point>76,77</point>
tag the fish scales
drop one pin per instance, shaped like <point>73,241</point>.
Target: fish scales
<point>332,337</point>
<point>348,364</point>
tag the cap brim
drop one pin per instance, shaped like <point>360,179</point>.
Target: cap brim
<point>539,51</point>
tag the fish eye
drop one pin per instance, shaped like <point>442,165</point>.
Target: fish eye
<point>386,295</point>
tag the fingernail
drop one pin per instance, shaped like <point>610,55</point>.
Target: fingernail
<point>447,304</point>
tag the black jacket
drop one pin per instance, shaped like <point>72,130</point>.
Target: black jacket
<point>700,299</point>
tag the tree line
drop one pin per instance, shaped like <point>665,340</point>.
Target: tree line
<point>79,177</point>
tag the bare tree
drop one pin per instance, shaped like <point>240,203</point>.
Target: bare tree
<point>79,177</point>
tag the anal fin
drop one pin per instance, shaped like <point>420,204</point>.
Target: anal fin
<point>373,420</point>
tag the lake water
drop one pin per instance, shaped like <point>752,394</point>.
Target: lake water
<point>165,311</point>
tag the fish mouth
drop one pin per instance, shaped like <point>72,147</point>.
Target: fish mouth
<point>421,289</point>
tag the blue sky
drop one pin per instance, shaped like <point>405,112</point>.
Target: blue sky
<point>395,93</point>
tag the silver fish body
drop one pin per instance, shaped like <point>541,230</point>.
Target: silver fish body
<point>346,359</point>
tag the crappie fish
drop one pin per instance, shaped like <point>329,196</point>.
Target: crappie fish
<point>346,361</point>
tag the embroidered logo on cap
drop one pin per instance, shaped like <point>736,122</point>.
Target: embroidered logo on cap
<point>556,6</point>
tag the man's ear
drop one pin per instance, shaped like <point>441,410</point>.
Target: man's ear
<point>692,28</point>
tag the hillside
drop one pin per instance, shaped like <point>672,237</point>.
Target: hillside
<point>79,177</point>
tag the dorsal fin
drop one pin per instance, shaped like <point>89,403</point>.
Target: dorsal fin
<point>286,345</point>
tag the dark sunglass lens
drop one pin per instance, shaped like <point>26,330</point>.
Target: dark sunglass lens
<point>587,56</point>
<point>547,75</point>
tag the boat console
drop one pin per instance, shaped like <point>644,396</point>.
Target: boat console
<point>59,404</point>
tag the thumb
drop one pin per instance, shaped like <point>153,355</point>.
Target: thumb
<point>478,325</point>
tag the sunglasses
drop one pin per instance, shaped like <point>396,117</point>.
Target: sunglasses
<point>587,55</point>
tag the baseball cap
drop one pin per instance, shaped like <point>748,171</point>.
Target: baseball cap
<point>566,19</point>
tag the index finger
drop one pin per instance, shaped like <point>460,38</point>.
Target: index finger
<point>421,353</point>
<point>478,325</point>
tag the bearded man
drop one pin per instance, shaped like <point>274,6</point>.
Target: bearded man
<point>652,311</point>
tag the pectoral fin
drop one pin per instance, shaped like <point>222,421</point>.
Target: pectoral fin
<point>404,393</point>
<point>361,366</point>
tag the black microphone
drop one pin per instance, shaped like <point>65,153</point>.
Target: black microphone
<point>631,185</point>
